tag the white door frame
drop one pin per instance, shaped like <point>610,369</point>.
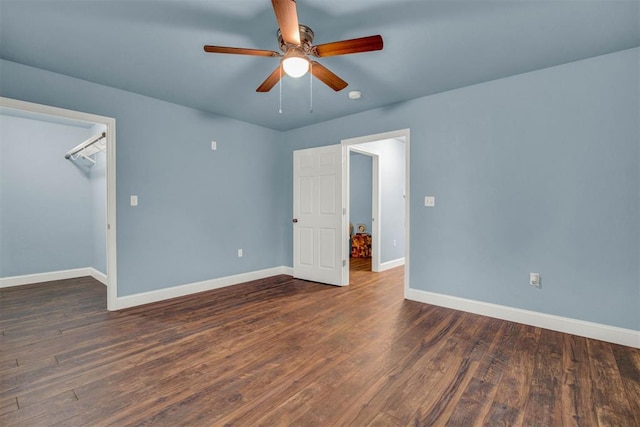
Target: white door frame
<point>375,203</point>
<point>402,133</point>
<point>110,123</point>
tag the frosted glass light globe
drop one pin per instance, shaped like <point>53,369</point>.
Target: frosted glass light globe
<point>295,66</point>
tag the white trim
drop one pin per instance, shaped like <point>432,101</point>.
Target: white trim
<point>98,275</point>
<point>192,288</point>
<point>285,270</point>
<point>376,232</point>
<point>110,123</point>
<point>29,279</point>
<point>613,334</point>
<point>391,264</point>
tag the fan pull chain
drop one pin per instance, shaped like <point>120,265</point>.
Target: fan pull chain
<point>280,85</point>
<point>310,88</point>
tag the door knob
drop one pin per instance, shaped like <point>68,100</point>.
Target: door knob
<point>295,220</point>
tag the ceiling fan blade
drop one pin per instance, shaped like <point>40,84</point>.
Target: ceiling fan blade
<point>239,51</point>
<point>344,47</point>
<point>287,17</point>
<point>322,73</point>
<point>271,81</point>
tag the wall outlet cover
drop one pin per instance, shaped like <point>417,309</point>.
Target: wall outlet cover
<point>534,279</point>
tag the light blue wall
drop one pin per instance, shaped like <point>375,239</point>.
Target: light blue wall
<point>391,165</point>
<point>392,169</point>
<point>392,186</point>
<point>45,200</point>
<point>360,183</point>
<point>538,172</point>
<point>196,206</point>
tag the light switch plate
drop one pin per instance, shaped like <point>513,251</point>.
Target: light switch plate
<point>214,145</point>
<point>134,200</point>
<point>430,201</point>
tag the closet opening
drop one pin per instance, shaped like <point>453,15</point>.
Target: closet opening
<point>57,181</point>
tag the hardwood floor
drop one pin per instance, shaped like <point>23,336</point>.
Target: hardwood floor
<point>282,351</point>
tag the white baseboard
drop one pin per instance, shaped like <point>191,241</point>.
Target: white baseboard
<point>29,279</point>
<point>391,264</point>
<point>98,275</point>
<point>192,288</point>
<point>613,334</point>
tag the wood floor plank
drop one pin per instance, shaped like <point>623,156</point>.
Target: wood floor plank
<point>328,409</point>
<point>513,390</point>
<point>385,420</point>
<point>577,400</point>
<point>8,405</point>
<point>201,382</point>
<point>281,351</point>
<point>436,411</point>
<point>629,368</point>
<point>609,394</point>
<point>333,374</point>
<point>38,414</point>
<point>543,406</point>
<point>475,403</point>
<point>367,404</point>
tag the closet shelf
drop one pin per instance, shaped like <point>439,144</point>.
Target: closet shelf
<point>88,148</point>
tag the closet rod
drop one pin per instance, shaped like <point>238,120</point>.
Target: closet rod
<point>84,145</point>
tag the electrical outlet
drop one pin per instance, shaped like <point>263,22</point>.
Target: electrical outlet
<point>133,200</point>
<point>534,279</point>
<point>239,253</point>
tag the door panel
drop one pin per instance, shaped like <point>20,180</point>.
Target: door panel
<point>318,213</point>
<point>306,195</point>
<point>327,248</point>
<point>306,246</point>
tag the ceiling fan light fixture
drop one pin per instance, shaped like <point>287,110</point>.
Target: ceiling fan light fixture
<point>295,64</point>
<point>296,44</point>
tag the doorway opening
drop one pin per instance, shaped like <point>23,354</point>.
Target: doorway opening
<point>389,186</point>
<point>364,208</point>
<point>38,113</point>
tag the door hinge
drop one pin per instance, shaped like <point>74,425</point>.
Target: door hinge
<point>344,262</point>
<point>344,211</point>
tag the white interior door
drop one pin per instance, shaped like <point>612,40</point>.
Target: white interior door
<point>319,216</point>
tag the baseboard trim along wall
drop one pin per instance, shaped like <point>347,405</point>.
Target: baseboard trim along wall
<point>192,288</point>
<point>98,275</point>
<point>29,279</point>
<point>391,264</point>
<point>613,334</point>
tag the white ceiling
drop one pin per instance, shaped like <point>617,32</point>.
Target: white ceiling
<point>154,47</point>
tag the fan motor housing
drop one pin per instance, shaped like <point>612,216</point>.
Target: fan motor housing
<point>306,40</point>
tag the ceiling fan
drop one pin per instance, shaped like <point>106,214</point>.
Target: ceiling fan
<point>296,41</point>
